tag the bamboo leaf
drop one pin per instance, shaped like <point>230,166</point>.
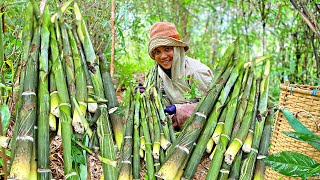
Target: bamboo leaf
<point>311,139</point>
<point>294,122</point>
<point>291,163</point>
<point>5,117</point>
<point>77,155</point>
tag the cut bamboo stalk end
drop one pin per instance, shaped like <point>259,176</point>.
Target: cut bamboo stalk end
<point>54,103</point>
<point>232,151</point>
<point>52,122</point>
<point>210,145</point>
<point>156,150</point>
<point>217,132</point>
<point>4,141</point>
<point>248,142</point>
<point>165,144</point>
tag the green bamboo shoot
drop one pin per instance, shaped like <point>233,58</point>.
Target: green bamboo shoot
<point>43,100</point>
<point>28,114</point>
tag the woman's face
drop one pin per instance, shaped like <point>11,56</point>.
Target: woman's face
<point>164,56</point>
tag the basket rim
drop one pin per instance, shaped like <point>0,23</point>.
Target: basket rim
<point>298,89</point>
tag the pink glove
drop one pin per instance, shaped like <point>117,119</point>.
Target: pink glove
<point>183,112</point>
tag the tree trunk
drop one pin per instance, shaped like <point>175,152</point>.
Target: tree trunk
<point>215,41</point>
<point>1,54</point>
<point>316,56</point>
<point>246,16</point>
<point>112,39</point>
<point>263,19</point>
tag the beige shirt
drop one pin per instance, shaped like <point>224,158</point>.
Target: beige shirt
<point>177,85</point>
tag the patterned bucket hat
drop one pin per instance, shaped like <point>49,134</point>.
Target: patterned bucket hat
<point>164,34</point>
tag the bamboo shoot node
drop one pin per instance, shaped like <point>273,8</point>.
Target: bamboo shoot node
<point>239,140</point>
<point>126,162</point>
<point>26,93</point>
<point>25,138</point>
<point>224,171</point>
<point>183,149</point>
<point>128,137</point>
<point>157,164</point>
<point>54,92</point>
<point>65,104</point>
<point>254,150</point>
<point>112,110</point>
<point>201,114</point>
<point>261,156</point>
<point>103,106</point>
<point>40,170</point>
<point>82,103</point>
<point>224,135</point>
<point>70,175</point>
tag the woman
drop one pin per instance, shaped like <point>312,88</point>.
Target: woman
<point>178,72</point>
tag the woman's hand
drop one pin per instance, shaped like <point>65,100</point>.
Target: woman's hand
<point>183,112</point>
<point>170,109</point>
<point>140,87</point>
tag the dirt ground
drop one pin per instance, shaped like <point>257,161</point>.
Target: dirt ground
<point>95,166</point>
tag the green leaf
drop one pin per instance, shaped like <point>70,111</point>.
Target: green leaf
<point>77,155</point>
<point>5,116</point>
<point>8,153</point>
<point>5,87</point>
<point>294,122</point>
<point>83,173</point>
<point>314,172</point>
<point>291,163</point>
<point>311,139</point>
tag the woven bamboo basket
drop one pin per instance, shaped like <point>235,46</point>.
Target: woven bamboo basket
<point>304,102</point>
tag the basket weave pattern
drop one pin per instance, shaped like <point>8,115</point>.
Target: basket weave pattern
<point>306,108</point>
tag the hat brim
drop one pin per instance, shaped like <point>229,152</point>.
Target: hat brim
<point>165,41</point>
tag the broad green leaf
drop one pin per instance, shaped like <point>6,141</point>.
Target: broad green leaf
<point>77,155</point>
<point>83,173</point>
<point>314,172</point>
<point>291,163</point>
<point>311,139</point>
<point>294,122</point>
<point>5,117</point>
<point>1,162</point>
<point>8,153</point>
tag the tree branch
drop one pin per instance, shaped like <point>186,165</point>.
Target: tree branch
<point>305,18</point>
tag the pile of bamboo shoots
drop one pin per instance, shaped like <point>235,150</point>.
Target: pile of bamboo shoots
<point>66,88</point>
<point>227,123</point>
<point>149,133</point>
